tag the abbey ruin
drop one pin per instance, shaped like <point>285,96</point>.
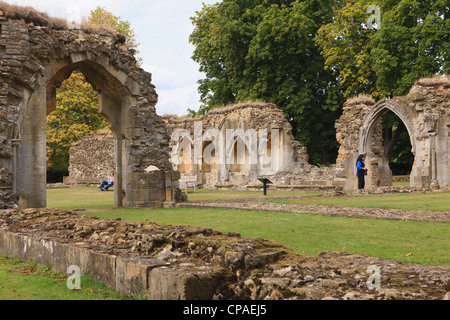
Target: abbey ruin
<point>37,54</point>
<point>148,152</point>
<point>228,148</point>
<point>424,111</point>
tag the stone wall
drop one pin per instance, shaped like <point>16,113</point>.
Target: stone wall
<point>91,160</point>
<point>290,169</point>
<point>37,54</point>
<point>8,198</point>
<point>287,163</point>
<point>359,131</point>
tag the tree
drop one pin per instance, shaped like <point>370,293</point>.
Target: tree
<point>100,17</point>
<point>265,50</point>
<point>76,116</point>
<point>397,144</point>
<point>411,42</point>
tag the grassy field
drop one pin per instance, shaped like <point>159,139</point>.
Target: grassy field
<point>25,281</point>
<point>414,242</point>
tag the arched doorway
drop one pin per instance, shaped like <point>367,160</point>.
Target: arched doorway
<point>113,97</point>
<point>377,141</point>
<point>425,114</point>
<point>118,97</point>
<point>43,58</point>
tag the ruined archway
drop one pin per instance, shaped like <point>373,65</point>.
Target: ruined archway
<point>425,113</point>
<point>36,59</point>
<point>370,140</point>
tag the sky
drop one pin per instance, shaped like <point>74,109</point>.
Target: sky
<point>162,28</point>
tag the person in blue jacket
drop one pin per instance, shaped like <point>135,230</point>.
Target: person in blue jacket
<point>361,171</point>
<point>107,184</point>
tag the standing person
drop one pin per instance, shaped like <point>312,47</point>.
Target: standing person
<point>361,171</point>
<point>107,184</point>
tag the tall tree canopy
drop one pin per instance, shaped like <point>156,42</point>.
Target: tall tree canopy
<point>265,50</point>
<point>307,56</point>
<point>411,42</point>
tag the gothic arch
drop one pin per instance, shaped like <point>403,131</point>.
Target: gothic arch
<point>379,171</point>
<point>383,107</point>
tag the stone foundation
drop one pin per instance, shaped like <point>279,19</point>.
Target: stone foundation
<point>199,263</point>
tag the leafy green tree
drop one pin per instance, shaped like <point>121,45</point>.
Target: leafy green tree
<point>265,50</point>
<point>411,42</point>
<point>76,116</point>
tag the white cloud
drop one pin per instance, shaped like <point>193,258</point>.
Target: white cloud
<point>162,28</point>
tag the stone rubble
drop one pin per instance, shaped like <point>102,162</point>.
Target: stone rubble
<point>235,267</point>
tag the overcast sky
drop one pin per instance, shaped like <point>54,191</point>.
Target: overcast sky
<point>162,28</point>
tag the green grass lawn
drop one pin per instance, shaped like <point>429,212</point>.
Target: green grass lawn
<point>26,281</point>
<point>412,242</point>
<point>95,199</point>
<point>203,194</point>
<point>415,242</point>
<point>414,201</point>
<point>401,184</point>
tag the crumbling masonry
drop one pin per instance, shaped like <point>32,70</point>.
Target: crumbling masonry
<point>37,54</point>
<point>425,112</point>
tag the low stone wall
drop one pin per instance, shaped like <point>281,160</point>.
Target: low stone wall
<point>132,276</point>
<point>401,178</point>
<point>199,263</point>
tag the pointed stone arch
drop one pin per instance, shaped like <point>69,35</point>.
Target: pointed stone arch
<point>381,108</point>
<point>379,171</point>
<point>425,113</point>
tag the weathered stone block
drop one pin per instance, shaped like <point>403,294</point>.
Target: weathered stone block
<point>183,284</point>
<point>132,275</point>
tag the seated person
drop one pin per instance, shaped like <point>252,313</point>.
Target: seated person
<point>107,184</point>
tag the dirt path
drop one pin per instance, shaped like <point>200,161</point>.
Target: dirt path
<point>355,212</point>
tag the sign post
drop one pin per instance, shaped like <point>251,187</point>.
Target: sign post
<point>265,182</point>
